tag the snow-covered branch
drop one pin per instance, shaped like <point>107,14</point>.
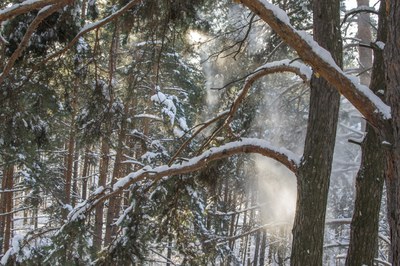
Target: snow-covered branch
<point>43,13</point>
<point>247,145</point>
<point>286,65</point>
<point>25,7</point>
<point>303,71</point>
<point>360,9</point>
<point>371,106</point>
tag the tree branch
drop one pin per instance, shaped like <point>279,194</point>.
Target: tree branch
<point>24,7</point>
<point>284,156</point>
<point>43,13</point>
<point>91,26</point>
<point>357,10</point>
<point>298,68</point>
<point>371,106</point>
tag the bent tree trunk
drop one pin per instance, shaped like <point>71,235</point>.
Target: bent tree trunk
<point>370,177</point>
<point>315,169</point>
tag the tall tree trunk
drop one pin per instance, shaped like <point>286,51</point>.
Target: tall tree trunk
<point>263,247</point>
<point>85,173</point>
<point>70,151</point>
<point>99,210</point>
<point>8,177</point>
<point>392,64</point>
<point>315,169</point>
<point>364,34</point>
<point>115,201</point>
<point>2,210</point>
<point>75,176</point>
<point>370,177</point>
<point>257,247</point>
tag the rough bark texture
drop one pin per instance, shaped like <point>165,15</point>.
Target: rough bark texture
<point>314,172</point>
<point>392,64</point>
<point>370,178</point>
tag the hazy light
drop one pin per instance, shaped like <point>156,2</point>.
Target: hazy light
<point>277,187</point>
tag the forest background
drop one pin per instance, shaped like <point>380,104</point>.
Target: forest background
<point>130,130</point>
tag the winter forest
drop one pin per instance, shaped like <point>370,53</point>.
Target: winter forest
<point>177,132</point>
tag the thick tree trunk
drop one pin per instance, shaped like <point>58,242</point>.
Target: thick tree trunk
<point>315,169</point>
<point>370,178</point>
<point>392,64</point>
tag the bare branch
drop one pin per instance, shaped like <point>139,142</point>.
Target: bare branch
<point>371,106</point>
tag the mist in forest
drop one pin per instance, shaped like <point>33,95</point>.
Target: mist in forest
<point>277,190</point>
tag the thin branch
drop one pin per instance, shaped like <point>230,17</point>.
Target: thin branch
<point>230,238</point>
<point>162,256</point>
<point>236,52</point>
<point>203,126</point>
<point>15,211</point>
<point>244,38</point>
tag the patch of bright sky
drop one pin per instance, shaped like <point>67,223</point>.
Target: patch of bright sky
<point>351,4</point>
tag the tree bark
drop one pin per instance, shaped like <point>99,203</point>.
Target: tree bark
<point>370,177</point>
<point>315,169</point>
<point>392,64</point>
